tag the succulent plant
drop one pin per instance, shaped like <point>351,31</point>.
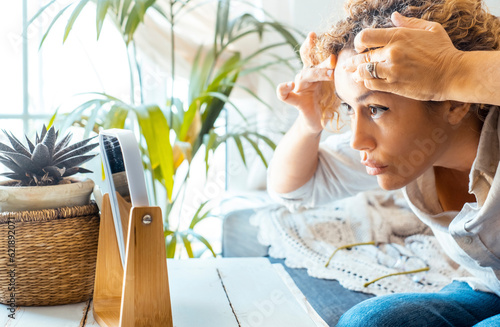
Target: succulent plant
<point>45,162</point>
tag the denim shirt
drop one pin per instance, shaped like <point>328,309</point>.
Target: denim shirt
<point>472,239</point>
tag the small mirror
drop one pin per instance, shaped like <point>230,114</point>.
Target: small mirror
<point>124,174</point>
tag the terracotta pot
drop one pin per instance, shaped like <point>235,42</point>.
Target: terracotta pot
<point>22,198</point>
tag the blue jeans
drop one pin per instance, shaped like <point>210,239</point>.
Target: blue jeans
<point>455,305</point>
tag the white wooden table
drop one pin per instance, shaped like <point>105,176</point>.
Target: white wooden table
<point>229,292</point>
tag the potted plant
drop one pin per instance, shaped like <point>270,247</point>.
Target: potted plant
<point>46,163</point>
<point>48,222</point>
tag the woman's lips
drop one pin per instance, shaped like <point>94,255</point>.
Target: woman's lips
<point>373,168</point>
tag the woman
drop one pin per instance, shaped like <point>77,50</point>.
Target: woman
<point>444,154</point>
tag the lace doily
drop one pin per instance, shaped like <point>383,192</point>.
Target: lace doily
<point>307,238</point>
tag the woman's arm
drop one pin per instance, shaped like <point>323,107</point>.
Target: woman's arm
<point>296,157</point>
<point>418,60</point>
<point>477,78</point>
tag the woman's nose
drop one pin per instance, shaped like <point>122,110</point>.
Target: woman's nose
<point>361,139</point>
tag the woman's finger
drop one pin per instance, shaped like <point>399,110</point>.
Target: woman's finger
<point>373,38</point>
<point>329,62</point>
<point>286,94</point>
<point>312,75</point>
<point>284,89</point>
<point>351,64</point>
<point>362,72</point>
<point>306,49</point>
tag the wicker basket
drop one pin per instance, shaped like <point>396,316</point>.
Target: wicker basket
<point>55,255</point>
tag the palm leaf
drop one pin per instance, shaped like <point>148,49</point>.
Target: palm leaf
<point>237,140</point>
<point>256,148</point>
<point>187,245</point>
<point>40,11</point>
<point>73,17</point>
<point>171,246</point>
<point>101,10</point>
<point>156,132</point>
<point>197,218</point>
<point>202,240</point>
<point>211,140</point>
<point>56,17</point>
<point>264,138</point>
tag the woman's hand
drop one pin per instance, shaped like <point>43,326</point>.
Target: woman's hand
<point>416,59</point>
<point>305,92</point>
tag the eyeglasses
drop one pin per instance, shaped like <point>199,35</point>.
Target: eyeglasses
<point>389,255</point>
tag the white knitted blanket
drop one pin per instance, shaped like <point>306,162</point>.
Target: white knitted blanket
<point>307,238</point>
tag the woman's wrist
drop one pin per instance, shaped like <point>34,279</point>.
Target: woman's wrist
<point>474,77</point>
<point>307,128</point>
<point>457,85</point>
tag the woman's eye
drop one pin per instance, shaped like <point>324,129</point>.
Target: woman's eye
<point>377,112</point>
<point>347,108</point>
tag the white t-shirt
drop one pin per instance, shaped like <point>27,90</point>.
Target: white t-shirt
<point>471,239</point>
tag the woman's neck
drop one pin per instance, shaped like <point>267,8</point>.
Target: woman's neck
<point>461,145</point>
<point>452,170</point>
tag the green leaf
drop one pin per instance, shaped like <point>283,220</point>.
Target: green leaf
<point>171,246</point>
<point>224,98</point>
<point>196,219</point>
<point>256,148</point>
<point>91,121</point>
<point>116,117</point>
<point>52,119</point>
<point>187,245</point>
<point>136,16</point>
<point>188,120</point>
<point>126,6</point>
<point>156,132</point>
<point>73,18</point>
<point>77,113</point>
<point>221,21</point>
<point>253,94</point>
<point>208,147</point>
<point>39,12</point>
<point>264,138</point>
<point>56,17</point>
<point>198,75</point>
<point>101,10</point>
<point>237,140</point>
<point>203,240</point>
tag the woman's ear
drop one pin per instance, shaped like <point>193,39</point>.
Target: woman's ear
<point>456,112</point>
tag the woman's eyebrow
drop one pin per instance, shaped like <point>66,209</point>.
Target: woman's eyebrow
<point>363,96</point>
<point>338,96</point>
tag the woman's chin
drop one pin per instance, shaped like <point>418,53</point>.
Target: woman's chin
<point>390,183</point>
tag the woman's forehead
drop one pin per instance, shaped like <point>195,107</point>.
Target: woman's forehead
<point>346,87</point>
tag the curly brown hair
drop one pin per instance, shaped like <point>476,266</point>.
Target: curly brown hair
<point>468,23</point>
